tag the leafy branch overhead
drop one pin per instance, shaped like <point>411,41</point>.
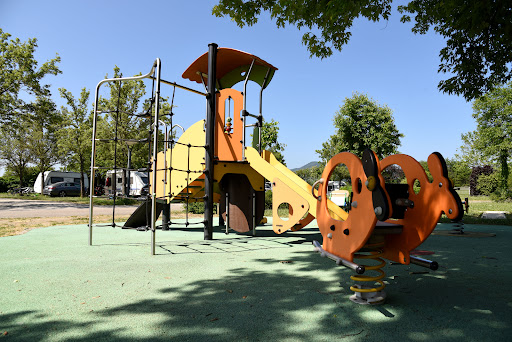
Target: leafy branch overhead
<point>477,54</point>
<point>19,72</point>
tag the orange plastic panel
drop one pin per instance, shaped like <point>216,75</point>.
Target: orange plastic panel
<point>228,146</point>
<point>303,223</point>
<point>350,235</point>
<point>282,193</point>
<point>432,199</point>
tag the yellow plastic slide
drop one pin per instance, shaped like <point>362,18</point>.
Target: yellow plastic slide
<point>270,168</point>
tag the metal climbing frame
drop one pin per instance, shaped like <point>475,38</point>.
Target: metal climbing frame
<point>153,74</point>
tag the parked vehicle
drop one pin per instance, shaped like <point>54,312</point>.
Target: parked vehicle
<point>52,177</point>
<point>21,191</point>
<point>62,189</point>
<point>335,185</point>
<point>137,182</point>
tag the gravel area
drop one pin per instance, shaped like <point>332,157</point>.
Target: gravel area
<point>14,208</point>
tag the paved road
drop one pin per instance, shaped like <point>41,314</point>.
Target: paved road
<point>14,208</point>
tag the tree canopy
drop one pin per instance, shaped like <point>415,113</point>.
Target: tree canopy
<point>493,134</point>
<point>362,123</point>
<point>269,142</point>
<point>74,138</point>
<point>478,52</point>
<point>43,120</point>
<point>126,115</point>
<point>14,152</point>
<point>19,72</point>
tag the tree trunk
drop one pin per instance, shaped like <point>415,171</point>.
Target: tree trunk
<point>42,180</point>
<point>22,176</point>
<point>504,170</point>
<point>82,180</point>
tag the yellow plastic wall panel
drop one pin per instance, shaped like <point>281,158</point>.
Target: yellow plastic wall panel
<point>269,167</point>
<point>187,158</point>
<point>183,157</point>
<point>160,176</point>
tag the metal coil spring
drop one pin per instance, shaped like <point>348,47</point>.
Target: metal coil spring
<point>370,294</point>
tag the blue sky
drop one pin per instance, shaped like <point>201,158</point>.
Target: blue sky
<point>385,60</point>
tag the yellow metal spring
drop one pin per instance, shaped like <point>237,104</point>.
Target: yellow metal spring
<point>370,294</point>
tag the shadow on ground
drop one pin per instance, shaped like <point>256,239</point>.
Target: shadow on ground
<point>280,292</point>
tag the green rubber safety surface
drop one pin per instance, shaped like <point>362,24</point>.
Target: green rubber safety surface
<point>55,287</point>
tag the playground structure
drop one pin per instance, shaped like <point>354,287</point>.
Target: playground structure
<point>214,162</point>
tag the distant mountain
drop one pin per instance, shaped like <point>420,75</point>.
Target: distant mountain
<point>307,166</point>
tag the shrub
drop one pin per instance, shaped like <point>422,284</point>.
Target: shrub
<point>198,207</point>
<point>8,182</point>
<point>487,184</point>
<point>195,207</point>
<point>476,172</point>
<point>268,199</point>
<point>501,195</point>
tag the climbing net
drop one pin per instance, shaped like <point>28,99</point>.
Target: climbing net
<point>156,201</point>
<point>117,177</point>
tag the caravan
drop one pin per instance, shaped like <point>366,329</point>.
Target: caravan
<point>138,180</point>
<point>52,177</point>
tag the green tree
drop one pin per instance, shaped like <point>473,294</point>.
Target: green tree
<point>311,174</point>
<point>74,138</point>
<point>44,120</point>
<point>126,113</point>
<point>477,33</point>
<point>459,171</point>
<point>493,134</point>
<point>269,139</point>
<point>469,154</point>
<point>362,123</point>
<point>14,151</point>
<point>19,72</point>
<point>11,180</point>
<point>123,102</point>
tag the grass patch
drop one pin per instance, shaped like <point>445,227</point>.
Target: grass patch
<point>17,226</point>
<point>280,212</point>
<point>478,205</point>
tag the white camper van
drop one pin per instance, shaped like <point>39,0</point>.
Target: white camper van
<point>52,177</point>
<point>137,181</point>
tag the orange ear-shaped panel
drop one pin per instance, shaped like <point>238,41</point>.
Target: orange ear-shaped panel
<point>282,193</point>
<point>429,202</point>
<point>344,238</point>
<point>448,200</point>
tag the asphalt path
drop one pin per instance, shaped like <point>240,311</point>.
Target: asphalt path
<point>14,208</point>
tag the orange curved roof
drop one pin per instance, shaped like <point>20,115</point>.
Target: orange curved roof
<point>231,65</point>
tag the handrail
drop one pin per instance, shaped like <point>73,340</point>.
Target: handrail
<point>245,107</point>
<point>320,181</point>
<point>174,84</point>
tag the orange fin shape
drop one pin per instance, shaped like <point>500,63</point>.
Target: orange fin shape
<point>282,193</point>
